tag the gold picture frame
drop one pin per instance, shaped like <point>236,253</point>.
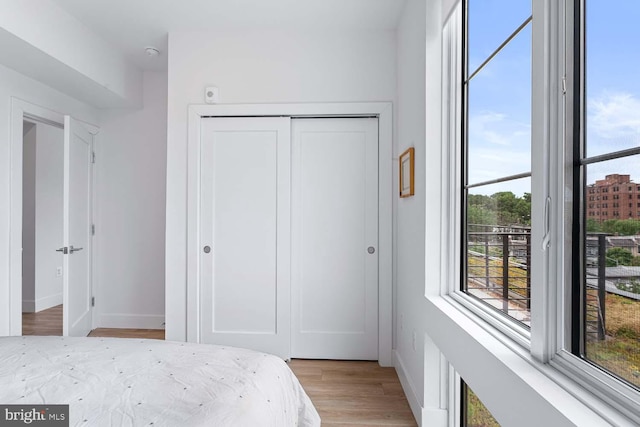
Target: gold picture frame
<point>406,163</point>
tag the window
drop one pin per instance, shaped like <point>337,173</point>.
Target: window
<point>584,282</point>
<point>497,156</point>
<point>474,413</point>
<point>606,315</point>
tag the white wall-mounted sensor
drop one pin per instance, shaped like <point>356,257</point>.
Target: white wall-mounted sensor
<point>211,95</point>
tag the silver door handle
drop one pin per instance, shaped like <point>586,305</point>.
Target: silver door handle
<point>63,249</point>
<point>371,249</point>
<point>72,249</point>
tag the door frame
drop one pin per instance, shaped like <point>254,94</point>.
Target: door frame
<point>383,112</point>
<point>20,110</point>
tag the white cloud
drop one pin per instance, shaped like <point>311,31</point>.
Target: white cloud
<point>499,146</point>
<point>493,128</point>
<point>614,115</point>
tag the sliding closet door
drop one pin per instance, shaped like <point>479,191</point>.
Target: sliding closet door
<point>335,238</point>
<point>245,233</point>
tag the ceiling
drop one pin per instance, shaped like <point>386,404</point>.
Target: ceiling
<point>132,25</point>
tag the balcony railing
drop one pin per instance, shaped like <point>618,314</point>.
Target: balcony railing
<point>498,268</point>
<point>498,273</point>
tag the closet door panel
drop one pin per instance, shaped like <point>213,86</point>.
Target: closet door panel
<point>244,233</point>
<point>334,238</point>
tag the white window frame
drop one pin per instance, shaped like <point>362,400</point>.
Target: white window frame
<point>452,133</point>
<point>604,385</point>
<point>551,251</point>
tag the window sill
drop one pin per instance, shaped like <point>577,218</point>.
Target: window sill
<point>517,389</point>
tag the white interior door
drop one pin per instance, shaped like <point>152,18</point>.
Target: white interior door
<point>334,238</point>
<point>76,229</point>
<point>245,233</point>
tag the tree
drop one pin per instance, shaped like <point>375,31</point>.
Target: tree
<point>609,226</point>
<point>618,256</point>
<point>621,227</point>
<point>627,227</point>
<point>502,209</point>
<point>478,214</point>
<point>593,226</point>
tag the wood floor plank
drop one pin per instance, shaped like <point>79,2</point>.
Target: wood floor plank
<point>343,390</point>
<point>354,393</point>
<point>154,334</point>
<point>49,322</point>
<point>45,322</point>
<point>393,389</point>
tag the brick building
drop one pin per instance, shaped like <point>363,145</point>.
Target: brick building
<point>614,197</point>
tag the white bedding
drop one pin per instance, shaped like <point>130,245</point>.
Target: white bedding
<point>134,382</point>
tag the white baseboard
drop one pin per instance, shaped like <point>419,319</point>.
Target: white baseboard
<point>48,302</point>
<point>132,321</point>
<point>28,306</point>
<point>409,391</point>
<point>34,306</point>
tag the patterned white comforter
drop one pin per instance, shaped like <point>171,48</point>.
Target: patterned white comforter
<point>134,382</point>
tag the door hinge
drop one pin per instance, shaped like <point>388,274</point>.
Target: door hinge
<point>93,157</point>
<point>93,229</point>
<point>93,301</point>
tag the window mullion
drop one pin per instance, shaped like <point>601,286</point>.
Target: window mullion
<point>547,230</point>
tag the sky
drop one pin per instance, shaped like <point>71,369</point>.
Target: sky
<point>499,101</point>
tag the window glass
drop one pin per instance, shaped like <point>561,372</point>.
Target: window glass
<point>499,111</point>
<point>609,276</point>
<point>499,235</point>
<point>612,86</point>
<point>497,158</point>
<point>491,22</point>
<point>475,414</point>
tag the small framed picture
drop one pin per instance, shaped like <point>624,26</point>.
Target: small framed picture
<point>406,172</point>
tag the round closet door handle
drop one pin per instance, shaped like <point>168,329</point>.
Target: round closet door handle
<point>207,249</point>
<point>371,249</point>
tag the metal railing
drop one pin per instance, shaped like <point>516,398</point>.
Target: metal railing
<point>498,272</point>
<point>595,294</point>
<point>498,268</point>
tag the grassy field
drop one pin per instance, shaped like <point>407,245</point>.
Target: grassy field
<point>620,351</point>
<point>477,414</point>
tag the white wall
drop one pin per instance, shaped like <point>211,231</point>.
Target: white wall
<point>29,219</point>
<point>13,84</point>
<point>259,67</point>
<point>130,211</point>
<point>48,220</point>
<point>417,246</point>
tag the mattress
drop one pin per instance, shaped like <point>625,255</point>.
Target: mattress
<point>137,382</point>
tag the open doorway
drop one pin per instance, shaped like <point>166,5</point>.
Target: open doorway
<point>75,245</point>
<point>42,228</point>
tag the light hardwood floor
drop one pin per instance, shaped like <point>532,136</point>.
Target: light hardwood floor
<point>345,393</point>
<point>154,334</point>
<point>354,394</point>
<point>45,322</point>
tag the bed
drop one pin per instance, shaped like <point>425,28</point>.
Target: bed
<point>138,382</point>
